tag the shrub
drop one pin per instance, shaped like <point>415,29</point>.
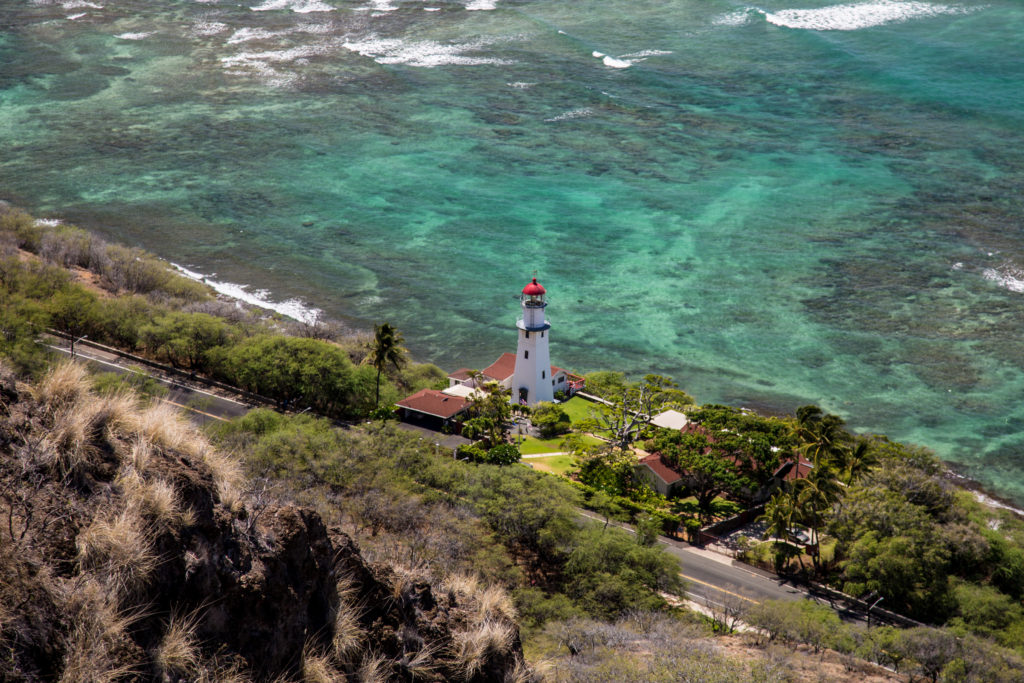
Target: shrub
<point>550,419</point>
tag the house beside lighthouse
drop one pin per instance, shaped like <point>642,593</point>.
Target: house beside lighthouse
<point>527,375</point>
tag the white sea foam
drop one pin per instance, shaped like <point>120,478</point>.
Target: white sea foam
<point>297,6</point>
<point>476,5</point>
<point>993,503</point>
<point>80,4</point>
<point>72,17</point>
<point>616,63</point>
<point>644,54</point>
<point>521,85</point>
<point>574,114</point>
<point>293,308</point>
<point>737,18</point>
<point>424,53</point>
<point>377,6</point>
<point>859,15</point>
<point>261,64</point>
<point>246,34</point>
<point>596,54</point>
<point>431,9</point>
<point>142,35</point>
<point>208,28</point>
<point>1007,276</point>
<point>48,222</point>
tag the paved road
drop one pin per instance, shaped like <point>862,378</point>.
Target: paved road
<point>202,406</point>
<point>715,578</point>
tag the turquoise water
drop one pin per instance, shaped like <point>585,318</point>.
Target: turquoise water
<point>793,203</point>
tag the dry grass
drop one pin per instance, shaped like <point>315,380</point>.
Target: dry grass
<point>155,499</point>
<point>66,383</point>
<point>373,669</point>
<point>227,476</point>
<point>490,602</point>
<point>524,673</point>
<point>348,634</point>
<point>78,425</point>
<point>161,424</point>
<point>95,645</point>
<point>138,456</point>
<point>462,585</point>
<point>70,441</point>
<point>318,668</point>
<point>421,664</point>
<point>473,647</point>
<point>118,549</point>
<point>494,601</point>
<point>178,652</point>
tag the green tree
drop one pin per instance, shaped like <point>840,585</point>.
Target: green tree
<point>778,513</point>
<point>298,371</point>
<point>503,454</point>
<point>74,312</point>
<point>490,414</point>
<point>550,419</point>
<point>609,573</point>
<point>385,350</point>
<point>184,339</point>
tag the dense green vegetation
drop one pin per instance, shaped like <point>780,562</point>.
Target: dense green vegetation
<point>145,308</point>
<point>507,524</point>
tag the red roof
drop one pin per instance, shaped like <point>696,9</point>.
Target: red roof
<point>661,468</point>
<point>432,402</point>
<point>462,374</point>
<point>503,368</point>
<point>534,288</point>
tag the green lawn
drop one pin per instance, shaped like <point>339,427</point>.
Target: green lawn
<point>556,464</point>
<point>532,445</point>
<point>578,408</point>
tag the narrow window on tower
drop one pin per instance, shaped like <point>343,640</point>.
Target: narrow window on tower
<point>543,374</point>
<point>527,332</point>
<point>526,354</point>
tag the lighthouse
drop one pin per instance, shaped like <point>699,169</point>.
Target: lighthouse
<point>532,381</point>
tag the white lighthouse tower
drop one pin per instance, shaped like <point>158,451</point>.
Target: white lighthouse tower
<point>532,382</point>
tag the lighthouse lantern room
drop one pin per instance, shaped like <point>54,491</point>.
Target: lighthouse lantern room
<point>532,381</point>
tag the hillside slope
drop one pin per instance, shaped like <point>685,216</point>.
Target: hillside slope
<point>131,550</point>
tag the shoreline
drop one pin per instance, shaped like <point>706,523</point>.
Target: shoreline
<point>293,308</point>
<point>296,310</point>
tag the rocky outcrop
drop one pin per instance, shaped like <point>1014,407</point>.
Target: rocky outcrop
<point>126,552</point>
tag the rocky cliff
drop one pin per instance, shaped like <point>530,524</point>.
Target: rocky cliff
<point>130,550</point>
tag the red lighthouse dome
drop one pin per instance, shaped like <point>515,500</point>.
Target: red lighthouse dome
<point>534,288</point>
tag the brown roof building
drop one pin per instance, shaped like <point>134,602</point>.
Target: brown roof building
<point>432,403</point>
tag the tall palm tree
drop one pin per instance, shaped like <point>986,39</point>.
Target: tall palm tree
<point>386,349</point>
<point>779,513</point>
<point>821,435</point>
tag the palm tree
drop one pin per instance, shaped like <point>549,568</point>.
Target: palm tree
<point>386,349</point>
<point>779,512</point>
<point>821,435</point>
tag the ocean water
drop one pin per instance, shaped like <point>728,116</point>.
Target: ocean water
<point>777,204</point>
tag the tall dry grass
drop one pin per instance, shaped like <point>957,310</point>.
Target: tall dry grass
<point>154,498</point>
<point>95,647</point>
<point>475,646</point>
<point>163,425</point>
<point>318,667</point>
<point>118,549</point>
<point>349,635</point>
<point>66,383</point>
<point>178,651</point>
